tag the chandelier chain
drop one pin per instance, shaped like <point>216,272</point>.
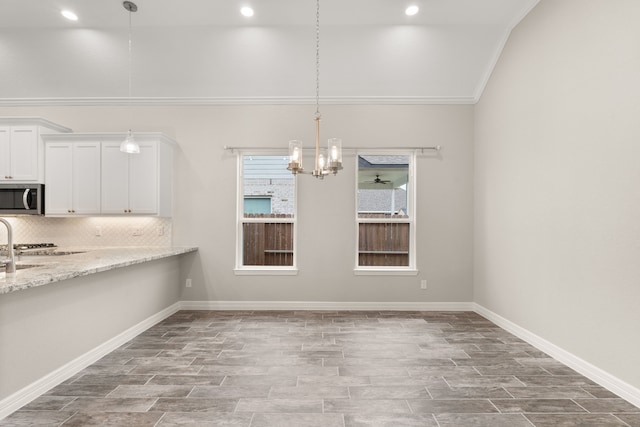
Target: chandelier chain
<point>318,58</point>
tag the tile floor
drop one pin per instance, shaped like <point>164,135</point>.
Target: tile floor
<point>342,369</point>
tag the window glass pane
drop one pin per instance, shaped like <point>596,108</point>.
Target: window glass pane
<point>383,182</point>
<point>268,243</point>
<point>384,199</point>
<point>267,178</point>
<point>383,244</point>
<point>268,206</point>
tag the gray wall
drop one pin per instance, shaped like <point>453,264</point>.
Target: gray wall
<point>557,178</point>
<point>205,195</point>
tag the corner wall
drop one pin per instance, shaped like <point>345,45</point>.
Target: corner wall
<point>557,182</point>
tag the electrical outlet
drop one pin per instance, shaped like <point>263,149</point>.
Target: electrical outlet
<point>423,284</point>
<point>98,231</point>
<point>136,231</point>
<point>161,230</point>
<point>188,283</point>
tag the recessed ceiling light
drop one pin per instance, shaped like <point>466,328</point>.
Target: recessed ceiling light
<point>69,15</point>
<point>412,10</point>
<point>246,11</point>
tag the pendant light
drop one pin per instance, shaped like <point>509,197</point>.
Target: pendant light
<point>129,145</point>
<point>329,162</point>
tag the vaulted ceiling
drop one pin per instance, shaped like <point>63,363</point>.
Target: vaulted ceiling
<point>205,51</point>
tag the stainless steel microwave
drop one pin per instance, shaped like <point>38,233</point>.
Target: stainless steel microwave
<point>21,199</point>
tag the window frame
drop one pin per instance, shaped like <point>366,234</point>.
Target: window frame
<point>411,269</point>
<point>262,270</point>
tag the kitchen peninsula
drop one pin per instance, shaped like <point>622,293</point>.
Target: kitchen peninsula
<point>72,309</point>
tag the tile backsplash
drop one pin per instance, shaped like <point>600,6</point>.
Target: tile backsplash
<point>82,231</point>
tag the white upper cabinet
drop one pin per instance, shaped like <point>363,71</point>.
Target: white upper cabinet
<point>143,179</point>
<point>72,178</point>
<point>137,184</point>
<point>127,184</point>
<point>22,148</point>
<point>115,179</point>
<point>5,153</point>
<point>131,182</point>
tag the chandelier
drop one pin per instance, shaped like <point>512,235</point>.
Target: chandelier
<point>326,162</point>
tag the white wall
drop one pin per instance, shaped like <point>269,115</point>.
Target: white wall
<point>205,195</point>
<point>557,181</point>
<point>426,61</point>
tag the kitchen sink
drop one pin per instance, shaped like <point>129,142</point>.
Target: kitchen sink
<point>44,256</point>
<point>57,253</point>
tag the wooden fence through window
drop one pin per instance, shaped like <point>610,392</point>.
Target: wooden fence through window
<point>267,243</point>
<point>383,243</point>
<point>380,243</point>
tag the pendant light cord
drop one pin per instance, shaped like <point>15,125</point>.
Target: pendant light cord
<point>131,7</point>
<point>130,61</point>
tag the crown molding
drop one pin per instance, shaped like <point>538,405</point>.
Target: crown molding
<point>213,101</point>
<point>33,121</point>
<point>107,136</point>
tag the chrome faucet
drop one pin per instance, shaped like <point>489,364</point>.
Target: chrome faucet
<point>10,261</point>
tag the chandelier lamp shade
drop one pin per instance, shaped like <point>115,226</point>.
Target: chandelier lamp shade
<point>329,160</point>
<point>129,145</point>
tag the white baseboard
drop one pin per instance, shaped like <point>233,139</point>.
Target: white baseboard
<point>321,305</point>
<point>44,384</point>
<point>605,379</point>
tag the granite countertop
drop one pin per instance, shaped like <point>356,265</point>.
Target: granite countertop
<point>70,262</point>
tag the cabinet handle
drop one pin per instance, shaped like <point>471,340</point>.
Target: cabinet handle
<point>69,210</point>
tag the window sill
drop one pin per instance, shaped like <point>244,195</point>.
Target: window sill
<point>384,271</point>
<point>265,271</point>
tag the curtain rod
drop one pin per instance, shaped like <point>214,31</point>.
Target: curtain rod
<point>421,149</point>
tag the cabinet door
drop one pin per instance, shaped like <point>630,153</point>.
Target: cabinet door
<point>24,153</point>
<point>143,180</point>
<point>5,153</point>
<point>86,178</point>
<point>59,178</point>
<point>114,179</point>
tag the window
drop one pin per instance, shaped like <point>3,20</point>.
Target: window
<point>266,224</point>
<point>385,212</point>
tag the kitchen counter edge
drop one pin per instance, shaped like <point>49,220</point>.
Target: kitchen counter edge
<point>92,260</point>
